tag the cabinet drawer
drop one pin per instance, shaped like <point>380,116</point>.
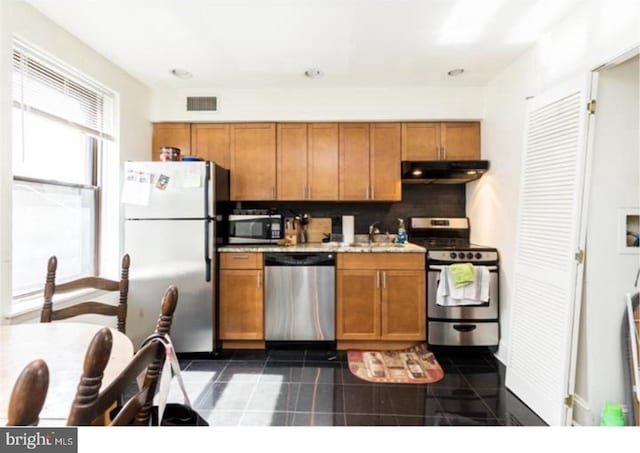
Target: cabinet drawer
<point>235,260</point>
<point>410,261</point>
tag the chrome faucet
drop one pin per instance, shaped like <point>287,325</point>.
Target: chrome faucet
<point>373,230</point>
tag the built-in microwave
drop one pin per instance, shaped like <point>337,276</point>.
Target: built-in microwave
<point>255,229</point>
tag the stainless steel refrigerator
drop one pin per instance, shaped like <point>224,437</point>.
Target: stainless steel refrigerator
<point>172,228</point>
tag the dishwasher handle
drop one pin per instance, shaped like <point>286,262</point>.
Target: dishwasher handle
<point>299,259</point>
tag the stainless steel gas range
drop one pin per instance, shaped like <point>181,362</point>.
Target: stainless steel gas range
<point>474,323</point>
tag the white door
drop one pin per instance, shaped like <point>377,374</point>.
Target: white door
<point>548,275</point>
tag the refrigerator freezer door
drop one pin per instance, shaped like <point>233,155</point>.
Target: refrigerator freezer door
<point>171,252</point>
<point>178,190</point>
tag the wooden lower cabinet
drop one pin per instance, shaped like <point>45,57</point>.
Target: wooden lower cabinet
<point>357,305</point>
<point>241,298</point>
<point>381,304</point>
<point>403,305</point>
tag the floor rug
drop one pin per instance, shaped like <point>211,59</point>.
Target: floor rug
<point>416,365</point>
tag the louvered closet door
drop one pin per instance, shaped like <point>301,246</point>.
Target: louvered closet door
<point>541,364</point>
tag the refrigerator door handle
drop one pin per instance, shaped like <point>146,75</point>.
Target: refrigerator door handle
<point>207,247</point>
<point>207,185</point>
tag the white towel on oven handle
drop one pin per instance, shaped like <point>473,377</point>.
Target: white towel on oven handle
<point>476,293</point>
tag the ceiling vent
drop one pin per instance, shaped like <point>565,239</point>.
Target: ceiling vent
<point>202,104</point>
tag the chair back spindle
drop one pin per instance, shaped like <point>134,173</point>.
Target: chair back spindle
<point>28,395</point>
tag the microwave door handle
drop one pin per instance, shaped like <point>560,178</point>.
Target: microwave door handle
<point>207,246</point>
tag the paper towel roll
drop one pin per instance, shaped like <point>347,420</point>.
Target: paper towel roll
<point>348,229</point>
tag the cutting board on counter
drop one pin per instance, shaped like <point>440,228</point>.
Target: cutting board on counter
<point>317,227</point>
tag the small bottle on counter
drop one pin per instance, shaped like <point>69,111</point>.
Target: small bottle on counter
<point>401,238</point>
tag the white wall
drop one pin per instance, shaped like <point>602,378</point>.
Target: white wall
<point>321,104</point>
<point>5,157</point>
<point>588,37</point>
<point>133,130</point>
<point>609,273</point>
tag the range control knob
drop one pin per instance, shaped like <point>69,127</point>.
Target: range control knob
<point>469,255</point>
<point>478,255</point>
<point>453,255</point>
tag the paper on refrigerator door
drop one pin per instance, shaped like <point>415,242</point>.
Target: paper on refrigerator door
<point>136,188</point>
<point>188,177</point>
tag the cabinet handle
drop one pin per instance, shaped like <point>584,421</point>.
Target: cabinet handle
<point>444,150</point>
<point>259,278</point>
<point>377,279</point>
<point>239,257</point>
<point>384,280</point>
<point>438,152</point>
<point>309,192</point>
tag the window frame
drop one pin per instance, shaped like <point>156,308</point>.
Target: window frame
<point>97,139</point>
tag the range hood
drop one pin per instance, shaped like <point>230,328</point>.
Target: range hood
<point>443,171</point>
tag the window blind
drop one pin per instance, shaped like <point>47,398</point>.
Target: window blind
<point>46,87</point>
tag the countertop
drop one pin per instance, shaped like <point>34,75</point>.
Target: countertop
<point>336,247</point>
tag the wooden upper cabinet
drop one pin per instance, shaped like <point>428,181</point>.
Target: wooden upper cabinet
<point>386,161</point>
<point>292,161</point>
<point>323,161</point>
<point>253,161</point>
<point>441,141</point>
<point>354,161</point>
<point>211,142</point>
<point>420,141</point>
<point>461,141</point>
<point>177,135</point>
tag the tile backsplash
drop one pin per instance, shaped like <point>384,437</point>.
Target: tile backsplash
<point>429,200</point>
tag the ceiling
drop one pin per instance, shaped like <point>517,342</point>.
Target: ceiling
<point>253,43</point>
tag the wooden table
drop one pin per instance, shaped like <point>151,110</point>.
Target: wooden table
<point>63,346</point>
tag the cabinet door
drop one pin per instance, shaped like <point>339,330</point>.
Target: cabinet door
<point>253,161</point>
<point>420,141</point>
<point>461,141</point>
<point>354,161</point>
<point>177,135</point>
<point>385,162</point>
<point>403,305</point>
<point>211,142</point>
<point>241,305</point>
<point>292,161</point>
<point>358,305</point>
<point>323,161</point>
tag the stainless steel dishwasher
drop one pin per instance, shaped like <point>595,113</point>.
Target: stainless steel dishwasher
<point>299,296</point>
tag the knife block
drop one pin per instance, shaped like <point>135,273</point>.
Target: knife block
<point>292,230</point>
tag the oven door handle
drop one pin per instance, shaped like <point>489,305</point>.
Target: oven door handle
<point>464,327</point>
<point>439,268</point>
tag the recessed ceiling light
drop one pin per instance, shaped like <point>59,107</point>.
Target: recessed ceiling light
<point>313,73</point>
<point>181,73</point>
<point>456,72</point>
<point>416,172</point>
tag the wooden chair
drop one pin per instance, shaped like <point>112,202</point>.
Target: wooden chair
<point>48,314</point>
<point>91,403</point>
<point>28,395</point>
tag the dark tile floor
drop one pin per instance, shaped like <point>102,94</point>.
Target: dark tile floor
<point>316,388</point>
